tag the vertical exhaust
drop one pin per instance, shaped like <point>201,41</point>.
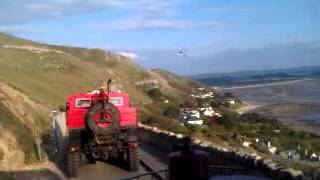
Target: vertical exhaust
<point>109,86</point>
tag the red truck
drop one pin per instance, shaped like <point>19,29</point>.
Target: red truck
<point>101,125</point>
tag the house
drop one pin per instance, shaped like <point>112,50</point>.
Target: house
<point>313,157</point>
<point>232,101</point>
<point>246,144</point>
<point>208,112</point>
<point>207,95</point>
<point>271,148</point>
<point>193,113</point>
<point>195,121</point>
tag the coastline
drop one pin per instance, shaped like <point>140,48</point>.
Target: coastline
<point>287,101</point>
<point>295,123</point>
<point>266,84</point>
<point>248,107</point>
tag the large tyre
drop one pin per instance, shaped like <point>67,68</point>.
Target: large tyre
<point>108,128</point>
<point>73,163</point>
<point>133,159</point>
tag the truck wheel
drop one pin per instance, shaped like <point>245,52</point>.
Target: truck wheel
<point>73,163</point>
<point>133,159</point>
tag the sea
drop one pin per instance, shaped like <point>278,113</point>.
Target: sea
<point>292,101</point>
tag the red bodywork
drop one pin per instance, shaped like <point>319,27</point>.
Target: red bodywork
<point>78,105</point>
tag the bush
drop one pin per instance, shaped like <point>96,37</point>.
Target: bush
<point>193,128</point>
<point>259,148</point>
<point>1,155</point>
<point>171,125</point>
<point>163,123</point>
<point>190,104</point>
<point>22,133</point>
<point>149,119</point>
<point>171,111</point>
<point>155,93</point>
<point>62,108</point>
<point>228,119</point>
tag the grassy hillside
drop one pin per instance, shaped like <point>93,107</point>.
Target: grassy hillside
<point>36,78</point>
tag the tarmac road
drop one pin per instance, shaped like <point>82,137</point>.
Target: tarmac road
<point>104,171</point>
<point>107,171</point>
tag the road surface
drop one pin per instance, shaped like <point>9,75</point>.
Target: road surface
<point>104,171</point>
<point>107,171</point>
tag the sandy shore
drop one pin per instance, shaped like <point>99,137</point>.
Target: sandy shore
<point>248,107</point>
<point>267,111</point>
<point>266,84</point>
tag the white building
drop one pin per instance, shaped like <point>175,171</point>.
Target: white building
<point>194,113</point>
<point>246,144</point>
<point>195,122</point>
<point>209,112</point>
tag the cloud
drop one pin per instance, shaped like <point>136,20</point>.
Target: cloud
<point>219,9</point>
<point>130,55</point>
<point>19,29</point>
<point>151,24</point>
<point>133,55</point>
<point>21,11</point>
<point>137,15</point>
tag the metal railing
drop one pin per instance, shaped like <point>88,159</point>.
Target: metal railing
<point>213,171</point>
<point>158,175</point>
<point>227,170</point>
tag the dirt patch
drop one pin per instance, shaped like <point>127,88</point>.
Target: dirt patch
<point>22,106</point>
<point>13,157</point>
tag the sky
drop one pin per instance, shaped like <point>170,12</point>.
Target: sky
<point>216,35</point>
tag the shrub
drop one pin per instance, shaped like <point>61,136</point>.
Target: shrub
<point>228,119</point>
<point>260,148</point>
<point>171,111</point>
<point>1,155</point>
<point>155,93</point>
<point>62,108</point>
<point>22,133</point>
<point>163,123</point>
<point>171,125</point>
<point>149,119</point>
<point>193,128</point>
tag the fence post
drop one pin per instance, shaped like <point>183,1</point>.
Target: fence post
<point>38,142</point>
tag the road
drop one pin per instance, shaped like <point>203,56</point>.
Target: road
<point>107,171</point>
<point>104,171</point>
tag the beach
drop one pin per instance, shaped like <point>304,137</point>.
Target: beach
<point>295,103</point>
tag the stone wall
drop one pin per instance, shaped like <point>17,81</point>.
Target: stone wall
<point>165,140</point>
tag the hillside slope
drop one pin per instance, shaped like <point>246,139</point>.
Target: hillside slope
<point>36,78</point>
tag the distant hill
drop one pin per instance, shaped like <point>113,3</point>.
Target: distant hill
<point>36,78</point>
<point>256,77</point>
